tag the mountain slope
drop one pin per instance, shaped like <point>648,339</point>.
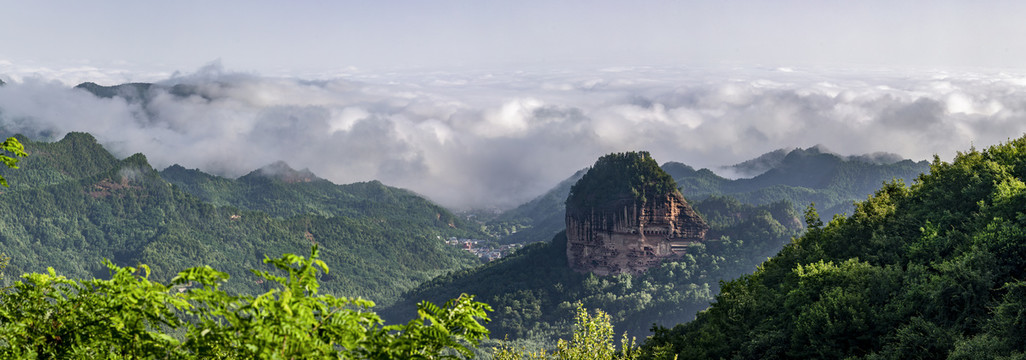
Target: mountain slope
<point>281,191</point>
<point>73,204</point>
<point>761,164</point>
<point>801,177</point>
<point>930,271</point>
<point>143,93</point>
<point>50,164</point>
<point>539,218</point>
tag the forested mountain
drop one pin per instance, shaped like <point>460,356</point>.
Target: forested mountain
<point>533,292</point>
<point>799,176</point>
<point>761,164</point>
<point>281,191</point>
<point>930,271</point>
<point>72,203</point>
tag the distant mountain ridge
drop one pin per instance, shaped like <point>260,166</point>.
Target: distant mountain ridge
<point>761,164</point>
<point>804,176</point>
<point>798,176</point>
<point>773,159</point>
<point>281,191</point>
<point>142,92</point>
<point>281,171</point>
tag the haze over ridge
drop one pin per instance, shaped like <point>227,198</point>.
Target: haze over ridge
<point>481,139</point>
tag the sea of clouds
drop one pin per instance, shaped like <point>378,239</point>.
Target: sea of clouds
<point>495,139</point>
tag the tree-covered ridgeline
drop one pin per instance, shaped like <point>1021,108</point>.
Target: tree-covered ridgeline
<point>283,192</point>
<point>933,270</point>
<point>801,177</point>
<point>72,204</point>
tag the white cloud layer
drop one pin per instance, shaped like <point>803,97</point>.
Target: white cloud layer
<point>478,139</point>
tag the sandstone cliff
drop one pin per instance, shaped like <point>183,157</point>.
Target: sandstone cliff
<point>640,221</point>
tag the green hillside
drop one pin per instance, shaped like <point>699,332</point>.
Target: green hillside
<point>537,219</point>
<point>72,204</point>
<point>281,191</point>
<point>76,156</point>
<point>930,271</point>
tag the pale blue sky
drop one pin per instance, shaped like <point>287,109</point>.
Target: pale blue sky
<point>303,37</point>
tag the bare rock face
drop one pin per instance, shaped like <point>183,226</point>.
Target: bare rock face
<point>633,230</point>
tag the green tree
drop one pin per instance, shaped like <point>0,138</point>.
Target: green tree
<point>10,150</point>
<point>592,340</point>
<point>130,316</point>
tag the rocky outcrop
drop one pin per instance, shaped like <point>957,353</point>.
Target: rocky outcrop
<point>626,216</point>
<point>627,238</point>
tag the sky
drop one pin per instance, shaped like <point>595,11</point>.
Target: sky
<point>490,103</point>
<point>309,37</point>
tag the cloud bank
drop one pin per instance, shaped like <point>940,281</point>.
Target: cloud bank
<point>483,139</point>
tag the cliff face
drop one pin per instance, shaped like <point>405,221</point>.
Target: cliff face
<point>628,237</point>
<point>625,215</point>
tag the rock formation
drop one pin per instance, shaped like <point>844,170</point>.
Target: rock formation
<point>639,221</point>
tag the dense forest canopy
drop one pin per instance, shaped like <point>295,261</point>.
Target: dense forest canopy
<point>934,270</point>
<point>803,176</point>
<point>631,176</point>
